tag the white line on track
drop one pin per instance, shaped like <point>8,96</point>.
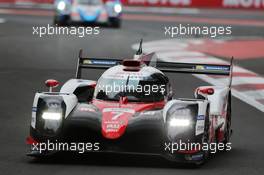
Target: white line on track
<point>175,50</point>
<point>251,80</point>
<point>2,20</point>
<point>254,93</point>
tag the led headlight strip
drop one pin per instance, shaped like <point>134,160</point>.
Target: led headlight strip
<point>179,122</point>
<point>51,115</point>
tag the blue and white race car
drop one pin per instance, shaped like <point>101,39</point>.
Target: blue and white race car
<point>88,11</point>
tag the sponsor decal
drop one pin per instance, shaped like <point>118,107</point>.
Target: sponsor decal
<point>113,126</point>
<point>217,68</point>
<point>87,62</point>
<point>197,157</point>
<point>200,67</point>
<point>200,117</point>
<point>85,109</point>
<point>244,3</point>
<point>34,109</point>
<point>114,121</point>
<point>199,129</point>
<point>160,2</point>
<point>253,4</point>
<point>104,62</point>
<point>100,62</point>
<point>132,111</point>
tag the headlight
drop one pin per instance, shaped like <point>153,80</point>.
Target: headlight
<point>118,8</point>
<point>179,122</point>
<point>51,115</point>
<point>61,5</point>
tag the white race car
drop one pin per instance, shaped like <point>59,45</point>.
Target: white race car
<point>132,120</point>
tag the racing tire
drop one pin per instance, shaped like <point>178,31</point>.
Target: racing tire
<point>115,22</point>
<point>57,22</point>
<point>60,22</point>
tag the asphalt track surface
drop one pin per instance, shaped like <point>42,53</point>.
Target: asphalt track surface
<point>27,61</point>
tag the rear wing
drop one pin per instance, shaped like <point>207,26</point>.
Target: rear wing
<point>195,68</point>
<point>192,68</point>
<point>94,63</point>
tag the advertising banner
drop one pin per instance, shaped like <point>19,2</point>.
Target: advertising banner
<point>237,4</point>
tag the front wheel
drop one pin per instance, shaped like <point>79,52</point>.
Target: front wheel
<point>61,21</point>
<point>115,22</point>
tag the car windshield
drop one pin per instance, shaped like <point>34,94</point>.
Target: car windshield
<point>136,90</point>
<point>90,2</point>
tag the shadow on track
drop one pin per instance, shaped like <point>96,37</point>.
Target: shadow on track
<point>123,160</point>
<point>107,159</point>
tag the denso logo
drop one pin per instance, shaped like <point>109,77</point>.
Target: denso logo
<point>244,3</point>
<point>162,2</point>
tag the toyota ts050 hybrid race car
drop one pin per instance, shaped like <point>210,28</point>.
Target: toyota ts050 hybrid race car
<point>122,120</point>
<point>88,11</point>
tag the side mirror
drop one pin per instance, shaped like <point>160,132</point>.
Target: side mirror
<point>207,91</point>
<point>51,83</point>
<point>203,92</point>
